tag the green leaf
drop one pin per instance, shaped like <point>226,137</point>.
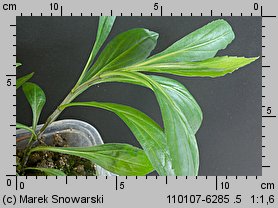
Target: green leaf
<point>175,90</point>
<point>36,99</point>
<point>20,81</point>
<point>179,132</point>
<point>147,132</point>
<point>48,171</point>
<point>121,159</point>
<point>22,126</point>
<point>183,99</point>
<point>198,45</point>
<point>105,25</point>
<point>18,64</point>
<point>124,50</point>
<point>180,137</point>
<point>213,67</point>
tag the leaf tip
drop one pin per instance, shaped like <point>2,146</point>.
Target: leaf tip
<point>153,34</point>
<point>18,64</point>
<point>250,60</point>
<point>255,58</point>
<point>229,28</point>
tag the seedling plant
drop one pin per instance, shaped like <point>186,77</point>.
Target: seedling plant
<point>171,150</point>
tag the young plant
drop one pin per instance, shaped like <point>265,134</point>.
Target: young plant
<point>170,151</point>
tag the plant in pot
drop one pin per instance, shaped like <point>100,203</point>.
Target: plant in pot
<point>171,150</point>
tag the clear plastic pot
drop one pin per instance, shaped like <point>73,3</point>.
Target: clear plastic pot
<point>76,133</point>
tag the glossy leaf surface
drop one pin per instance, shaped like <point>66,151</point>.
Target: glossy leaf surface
<point>149,134</point>
<point>20,81</point>
<point>213,67</point>
<point>124,50</point>
<point>199,45</point>
<point>180,136</point>
<point>121,159</point>
<point>179,133</point>
<point>36,99</point>
<point>105,25</point>
<point>183,99</point>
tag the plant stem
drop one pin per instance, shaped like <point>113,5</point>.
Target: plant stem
<point>27,150</point>
<point>49,120</point>
<point>70,97</point>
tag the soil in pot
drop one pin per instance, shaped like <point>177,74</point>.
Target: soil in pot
<point>70,165</point>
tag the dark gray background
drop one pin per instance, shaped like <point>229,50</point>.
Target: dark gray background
<point>56,49</point>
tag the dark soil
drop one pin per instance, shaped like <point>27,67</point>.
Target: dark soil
<point>70,165</point>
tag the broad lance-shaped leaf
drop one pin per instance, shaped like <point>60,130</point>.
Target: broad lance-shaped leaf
<point>183,99</point>
<point>48,171</point>
<point>175,90</point>
<point>18,64</point>
<point>105,25</point>
<point>124,50</point>
<point>20,81</point>
<point>22,126</point>
<point>213,67</point>
<point>121,159</point>
<point>199,45</point>
<point>147,132</point>
<point>36,99</point>
<point>180,136</point>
